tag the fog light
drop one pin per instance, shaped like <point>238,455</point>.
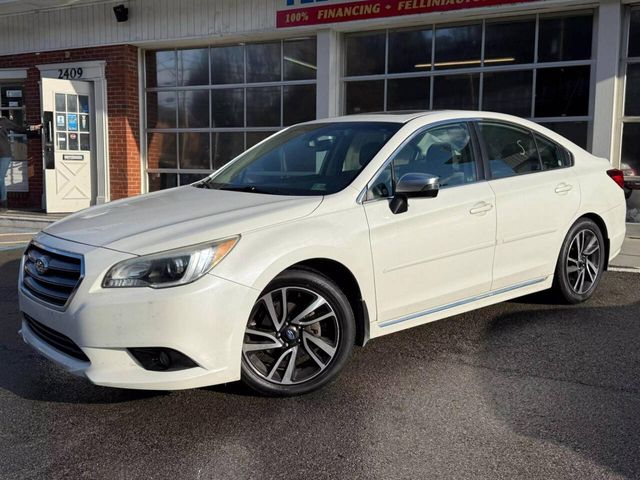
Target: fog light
<point>160,359</point>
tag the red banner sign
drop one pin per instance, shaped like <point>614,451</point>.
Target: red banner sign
<point>362,10</point>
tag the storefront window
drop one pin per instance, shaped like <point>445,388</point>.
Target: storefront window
<point>419,68</point>
<point>207,105</point>
<point>12,107</point>
<point>630,151</point>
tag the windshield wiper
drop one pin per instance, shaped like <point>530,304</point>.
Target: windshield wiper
<point>245,188</point>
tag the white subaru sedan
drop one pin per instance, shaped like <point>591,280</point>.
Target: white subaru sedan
<point>325,235</point>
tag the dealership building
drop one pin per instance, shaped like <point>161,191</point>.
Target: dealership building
<point>154,94</point>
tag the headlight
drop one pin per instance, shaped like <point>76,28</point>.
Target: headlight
<point>170,268</point>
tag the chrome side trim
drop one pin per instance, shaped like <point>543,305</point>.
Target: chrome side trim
<point>459,303</point>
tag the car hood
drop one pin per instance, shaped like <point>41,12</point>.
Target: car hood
<point>178,217</point>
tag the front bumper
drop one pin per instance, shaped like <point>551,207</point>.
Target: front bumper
<point>204,320</point>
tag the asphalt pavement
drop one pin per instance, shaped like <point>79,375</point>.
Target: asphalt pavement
<point>524,389</point>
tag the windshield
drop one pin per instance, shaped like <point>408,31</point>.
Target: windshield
<point>314,159</point>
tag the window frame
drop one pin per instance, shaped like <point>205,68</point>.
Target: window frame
<point>17,137</point>
<point>534,67</point>
<point>209,87</point>
<point>533,133</point>
<point>625,61</point>
<point>478,159</point>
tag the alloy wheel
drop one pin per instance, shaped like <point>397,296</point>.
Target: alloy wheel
<point>292,336</point>
<point>583,261</point>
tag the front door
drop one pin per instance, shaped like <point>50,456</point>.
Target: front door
<point>441,250</point>
<point>68,139</point>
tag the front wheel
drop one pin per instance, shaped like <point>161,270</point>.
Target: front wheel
<point>299,335</point>
<point>581,262</point>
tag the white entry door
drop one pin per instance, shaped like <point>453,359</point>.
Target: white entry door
<point>68,139</point>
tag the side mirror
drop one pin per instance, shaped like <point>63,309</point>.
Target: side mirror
<point>418,185</point>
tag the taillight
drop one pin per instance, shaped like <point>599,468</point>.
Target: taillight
<point>617,176</point>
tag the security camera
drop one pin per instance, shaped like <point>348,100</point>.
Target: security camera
<point>121,12</point>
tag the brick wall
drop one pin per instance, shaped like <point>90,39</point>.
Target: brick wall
<point>122,105</point>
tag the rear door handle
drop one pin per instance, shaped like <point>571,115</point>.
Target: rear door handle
<point>480,208</point>
<point>563,188</point>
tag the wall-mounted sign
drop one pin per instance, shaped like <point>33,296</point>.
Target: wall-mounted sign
<point>327,11</point>
<point>14,94</point>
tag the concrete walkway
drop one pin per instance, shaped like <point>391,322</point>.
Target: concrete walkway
<point>629,258</point>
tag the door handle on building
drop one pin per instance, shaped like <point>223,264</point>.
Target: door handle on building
<point>480,208</point>
<point>563,188</point>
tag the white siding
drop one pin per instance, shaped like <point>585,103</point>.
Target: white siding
<point>149,21</point>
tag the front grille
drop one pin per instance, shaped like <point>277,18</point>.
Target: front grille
<point>51,276</point>
<point>55,339</point>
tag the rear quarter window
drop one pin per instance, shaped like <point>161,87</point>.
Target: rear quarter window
<point>552,155</point>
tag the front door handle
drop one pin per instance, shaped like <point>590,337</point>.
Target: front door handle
<point>480,208</point>
<point>563,188</point>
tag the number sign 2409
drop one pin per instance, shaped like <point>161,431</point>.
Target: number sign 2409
<point>69,73</point>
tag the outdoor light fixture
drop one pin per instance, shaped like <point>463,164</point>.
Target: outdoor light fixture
<point>121,12</point>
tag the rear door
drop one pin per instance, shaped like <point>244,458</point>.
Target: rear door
<point>537,196</point>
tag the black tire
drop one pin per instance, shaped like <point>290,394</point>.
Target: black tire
<point>300,285</point>
<point>574,261</point>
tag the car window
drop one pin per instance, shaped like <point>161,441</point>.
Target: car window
<point>510,150</point>
<point>552,155</point>
<point>308,159</point>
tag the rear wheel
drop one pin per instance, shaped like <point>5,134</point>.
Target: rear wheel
<point>299,335</point>
<point>581,262</point>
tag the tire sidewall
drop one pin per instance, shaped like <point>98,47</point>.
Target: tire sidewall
<point>561,279</point>
<point>316,282</point>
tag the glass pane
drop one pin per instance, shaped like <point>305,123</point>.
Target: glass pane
<point>446,152</point>
<point>634,34</point>
<point>574,131</point>
<point>193,109</point>
<point>189,178</point>
<point>161,110</point>
<point>263,107</point>
<point>84,123</point>
<point>563,39</point>
<point>83,101</point>
<point>161,150</point>
<point>61,121</point>
<point>72,103</point>
<point>300,59</point>
<point>408,93</point>
<point>458,47</point>
<point>227,107</point>
<point>227,64</point>
<point>161,69</point>
<point>62,140</point>
<point>72,121</point>
<point>263,62</point>
<point>256,137</point>
<point>456,91</point>
<point>511,151</point>
<point>85,141</point>
<point>226,146</point>
<point>60,102</point>
<point>365,96</point>
<point>299,103</point>
<point>410,50</point>
<point>508,92</point>
<point>365,54</point>
<point>631,149</point>
<point>562,91</point>
<point>509,42</point>
<point>73,141</point>
<point>193,67</point>
<point>161,181</point>
<point>632,95</point>
<point>194,150</point>
<point>552,155</point>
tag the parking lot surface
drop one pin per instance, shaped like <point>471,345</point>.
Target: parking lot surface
<point>524,389</point>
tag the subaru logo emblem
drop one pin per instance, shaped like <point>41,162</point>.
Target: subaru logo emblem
<point>42,265</point>
<point>290,334</point>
